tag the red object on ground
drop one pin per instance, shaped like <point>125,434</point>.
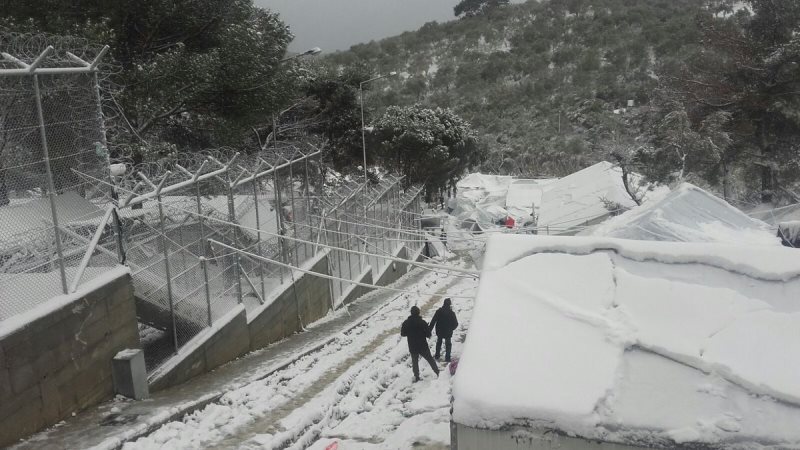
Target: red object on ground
<point>510,222</point>
<point>332,446</point>
<point>453,367</point>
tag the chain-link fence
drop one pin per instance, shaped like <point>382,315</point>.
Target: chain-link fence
<point>273,204</point>
<point>51,128</point>
<point>64,219</point>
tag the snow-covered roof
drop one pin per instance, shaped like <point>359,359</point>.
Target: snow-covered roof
<point>578,198</point>
<point>639,342</point>
<point>487,182</point>
<point>688,214</point>
<point>487,198</point>
<point>266,219</point>
<point>21,218</point>
<point>523,194</point>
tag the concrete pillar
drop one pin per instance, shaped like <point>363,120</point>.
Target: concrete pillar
<point>130,374</point>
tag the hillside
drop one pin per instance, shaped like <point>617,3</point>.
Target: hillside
<point>540,81</point>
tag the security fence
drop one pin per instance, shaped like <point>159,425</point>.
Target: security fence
<point>67,214</point>
<point>50,126</point>
<point>273,203</point>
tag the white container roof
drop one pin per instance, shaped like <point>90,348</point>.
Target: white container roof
<point>637,342</point>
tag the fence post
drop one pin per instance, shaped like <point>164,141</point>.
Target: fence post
<point>167,271</point>
<point>50,184</point>
<point>104,141</point>
<point>204,265</point>
<point>338,246</point>
<point>349,255</point>
<point>279,221</point>
<point>258,238</point>
<point>358,244</point>
<point>203,243</point>
<point>237,258</point>
<point>295,244</point>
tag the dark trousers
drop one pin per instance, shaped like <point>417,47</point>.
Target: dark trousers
<point>426,355</point>
<point>447,346</point>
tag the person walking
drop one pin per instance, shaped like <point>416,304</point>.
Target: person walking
<point>416,331</point>
<point>445,322</point>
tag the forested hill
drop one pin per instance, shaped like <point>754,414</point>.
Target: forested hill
<point>540,80</point>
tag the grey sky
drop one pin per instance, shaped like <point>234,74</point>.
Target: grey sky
<point>338,24</point>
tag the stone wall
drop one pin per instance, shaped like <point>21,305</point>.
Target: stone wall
<point>60,361</point>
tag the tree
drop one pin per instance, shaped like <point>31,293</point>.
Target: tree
<point>429,146</point>
<point>740,91</point>
<point>194,73</point>
<point>336,106</point>
<point>471,8</point>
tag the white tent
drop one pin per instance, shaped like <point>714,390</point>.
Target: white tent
<point>581,199</point>
<point>485,199</point>
<point>687,214</point>
<point>774,216</point>
<point>524,195</point>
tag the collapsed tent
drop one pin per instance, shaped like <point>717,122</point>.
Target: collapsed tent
<point>584,198</point>
<point>525,197</point>
<point>687,214</point>
<point>578,342</point>
<point>481,198</point>
<point>774,216</point>
<point>490,199</point>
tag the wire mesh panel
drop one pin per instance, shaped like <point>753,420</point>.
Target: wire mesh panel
<point>52,230</point>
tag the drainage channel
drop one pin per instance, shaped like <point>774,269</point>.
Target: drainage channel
<point>270,423</point>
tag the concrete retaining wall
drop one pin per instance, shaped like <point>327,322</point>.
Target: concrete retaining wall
<point>395,270</point>
<point>299,304</point>
<point>213,347</point>
<point>308,300</point>
<point>357,291</point>
<point>296,306</point>
<point>60,362</point>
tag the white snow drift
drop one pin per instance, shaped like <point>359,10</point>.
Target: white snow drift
<point>646,343</point>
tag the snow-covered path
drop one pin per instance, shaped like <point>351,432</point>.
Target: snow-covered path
<point>356,391</point>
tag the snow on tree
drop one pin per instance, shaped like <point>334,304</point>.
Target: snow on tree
<point>429,146</point>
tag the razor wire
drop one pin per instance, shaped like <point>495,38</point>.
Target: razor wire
<point>50,123</point>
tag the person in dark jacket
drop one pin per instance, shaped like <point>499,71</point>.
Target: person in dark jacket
<point>445,322</point>
<point>416,330</point>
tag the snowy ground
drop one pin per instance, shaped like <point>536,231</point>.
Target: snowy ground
<point>356,391</point>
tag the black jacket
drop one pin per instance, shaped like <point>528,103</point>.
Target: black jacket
<point>445,322</point>
<point>416,330</point>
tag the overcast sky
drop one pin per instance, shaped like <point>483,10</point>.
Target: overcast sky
<point>338,24</point>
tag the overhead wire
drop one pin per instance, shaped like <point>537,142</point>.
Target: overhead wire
<point>333,277</point>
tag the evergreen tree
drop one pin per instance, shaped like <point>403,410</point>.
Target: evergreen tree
<point>193,73</point>
<point>474,7</point>
<point>433,147</point>
<point>738,97</point>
